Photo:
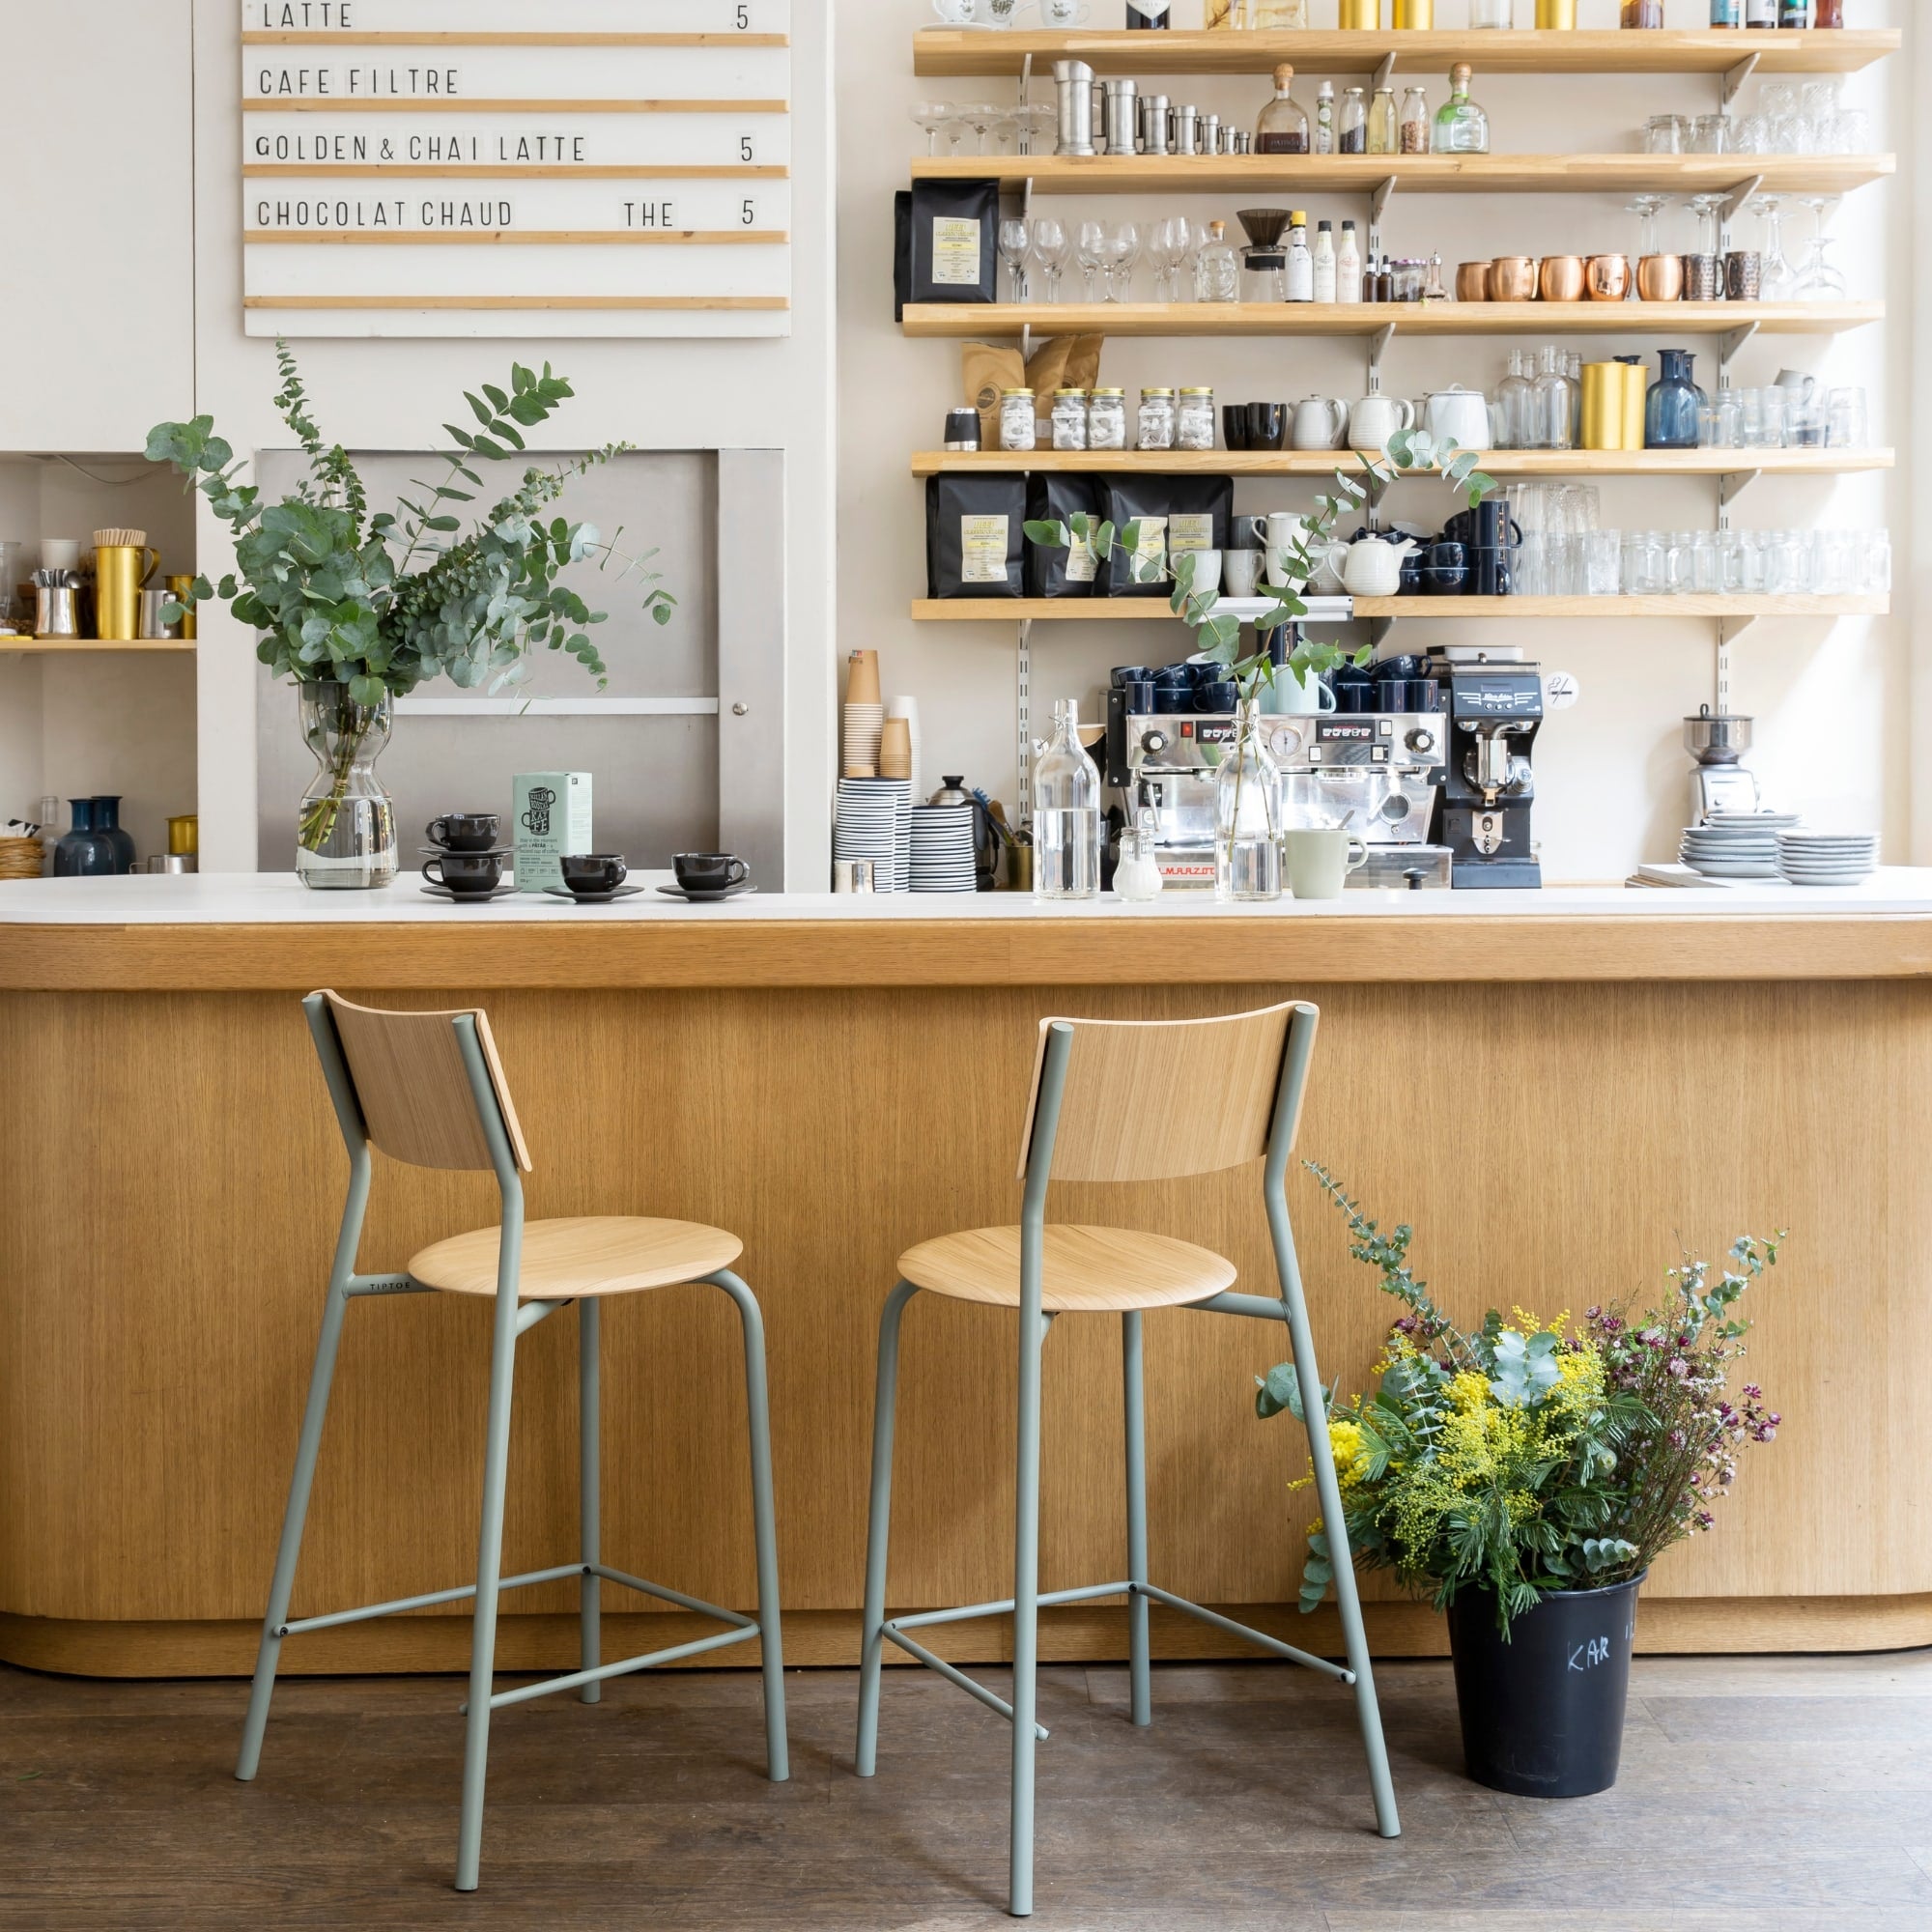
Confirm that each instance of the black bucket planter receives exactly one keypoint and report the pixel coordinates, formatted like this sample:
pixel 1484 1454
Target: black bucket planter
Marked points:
pixel 1542 1714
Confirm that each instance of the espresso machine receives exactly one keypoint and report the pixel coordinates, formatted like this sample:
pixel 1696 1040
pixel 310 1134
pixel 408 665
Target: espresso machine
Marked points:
pixel 1493 711
pixel 1379 774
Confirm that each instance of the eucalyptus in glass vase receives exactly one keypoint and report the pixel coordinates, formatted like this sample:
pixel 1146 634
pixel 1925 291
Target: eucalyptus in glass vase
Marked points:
pixel 357 609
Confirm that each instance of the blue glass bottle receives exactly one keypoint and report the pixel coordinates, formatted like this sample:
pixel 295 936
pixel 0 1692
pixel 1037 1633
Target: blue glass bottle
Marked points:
pixel 1671 409
pixel 108 825
pixel 83 852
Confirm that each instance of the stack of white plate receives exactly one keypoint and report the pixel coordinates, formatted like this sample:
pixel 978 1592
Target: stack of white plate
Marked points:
pixel 941 848
pixel 1735 844
pixel 874 821
pixel 1827 858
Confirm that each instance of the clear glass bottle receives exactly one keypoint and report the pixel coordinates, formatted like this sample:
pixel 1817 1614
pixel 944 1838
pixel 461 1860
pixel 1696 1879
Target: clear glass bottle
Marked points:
pixel 1416 126
pixel 1384 131
pixel 1461 127
pixel 1352 126
pixel 1137 870
pixel 1194 423
pixel 1513 418
pixel 1324 118
pixel 346 832
pixel 1070 420
pixel 1282 127
pixel 1247 815
pixel 1348 267
pixel 1218 274
pixel 1065 813
pixel 1107 419
pixel 1550 403
pixel 1573 374
pixel 1154 428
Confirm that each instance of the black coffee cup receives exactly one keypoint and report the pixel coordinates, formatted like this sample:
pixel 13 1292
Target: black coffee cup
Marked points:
pixel 1355 696
pixel 702 872
pixel 593 871
pixel 1445 579
pixel 1172 699
pixel 1126 674
pixel 466 875
pixel 1405 664
pixel 1217 700
pixel 1447 554
pixel 1489 572
pixel 1235 425
pixel 1488 526
pixel 1249 532
pixel 1175 677
pixel 1268 425
pixel 1138 695
pixel 464 831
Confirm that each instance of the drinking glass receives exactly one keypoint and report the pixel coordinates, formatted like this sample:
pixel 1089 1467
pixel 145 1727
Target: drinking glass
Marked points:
pixel 1709 134
pixel 1718 422
pixel 1647 207
pixel 1680 548
pixel 1015 242
pixel 1787 563
pixel 1706 564
pixel 1050 247
pixel 1122 251
pixel 1751 135
pixel 1779 104
pixel 1850 132
pixel 1817 276
pixel 1837 563
pixel 1663 134
pixel 1875 564
pixel 1007 130
pixel 1602 564
pixel 1733 563
pixel 934 118
pixel 980 115
pixel 1780 280
pixel 1166 244
pixel 1818 110
pixel 1644 553
pixel 1087 247
pixel 1532 572
pixel 1845 420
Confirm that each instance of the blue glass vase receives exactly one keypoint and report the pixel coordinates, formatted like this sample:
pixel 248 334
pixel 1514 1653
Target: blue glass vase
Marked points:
pixel 83 853
pixel 108 825
pixel 1671 409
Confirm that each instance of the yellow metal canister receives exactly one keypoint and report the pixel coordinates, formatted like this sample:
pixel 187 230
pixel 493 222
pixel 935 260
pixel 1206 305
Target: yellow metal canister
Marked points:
pixel 1603 405
pixel 1556 13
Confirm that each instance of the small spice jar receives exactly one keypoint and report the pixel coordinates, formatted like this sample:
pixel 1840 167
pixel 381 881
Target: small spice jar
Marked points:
pixel 1407 274
pixel 1194 423
pixel 1016 419
pixel 1154 429
pixel 1070 420
pixel 1107 419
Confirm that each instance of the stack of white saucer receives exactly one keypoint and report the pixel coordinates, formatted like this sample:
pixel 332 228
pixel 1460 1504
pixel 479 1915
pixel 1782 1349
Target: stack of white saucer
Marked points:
pixel 941 848
pixel 1735 844
pixel 874 821
pixel 1827 858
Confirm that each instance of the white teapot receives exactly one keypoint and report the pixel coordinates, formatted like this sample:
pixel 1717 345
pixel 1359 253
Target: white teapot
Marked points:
pixel 1372 566
pixel 1457 415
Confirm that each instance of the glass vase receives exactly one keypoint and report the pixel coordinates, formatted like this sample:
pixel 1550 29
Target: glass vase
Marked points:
pixel 346 832
pixel 1248 817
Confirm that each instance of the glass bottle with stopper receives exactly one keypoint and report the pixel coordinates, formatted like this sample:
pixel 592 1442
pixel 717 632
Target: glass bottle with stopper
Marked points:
pixel 1065 813
pixel 1461 127
pixel 1217 275
pixel 1283 128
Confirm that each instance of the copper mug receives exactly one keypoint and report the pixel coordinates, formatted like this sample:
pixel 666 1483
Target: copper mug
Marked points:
pixel 1609 278
pixel 1472 281
pixel 1561 279
pixel 1660 278
pixel 1511 278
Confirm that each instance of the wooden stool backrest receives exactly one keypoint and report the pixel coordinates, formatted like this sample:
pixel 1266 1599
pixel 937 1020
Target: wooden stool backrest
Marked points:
pixel 412 1087
pixel 1157 1099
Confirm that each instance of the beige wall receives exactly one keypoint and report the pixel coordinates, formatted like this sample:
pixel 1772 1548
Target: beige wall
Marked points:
pixel 1611 773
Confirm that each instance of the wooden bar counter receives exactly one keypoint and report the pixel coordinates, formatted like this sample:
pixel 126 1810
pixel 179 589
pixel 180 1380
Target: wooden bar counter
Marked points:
pixel 1560 1090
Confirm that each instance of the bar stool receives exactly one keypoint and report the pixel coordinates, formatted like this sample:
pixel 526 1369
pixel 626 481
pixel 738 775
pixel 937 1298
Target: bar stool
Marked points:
pixel 428 1088
pixel 1119 1100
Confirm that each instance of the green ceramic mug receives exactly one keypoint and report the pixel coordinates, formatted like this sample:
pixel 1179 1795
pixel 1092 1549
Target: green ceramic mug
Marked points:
pixel 1320 861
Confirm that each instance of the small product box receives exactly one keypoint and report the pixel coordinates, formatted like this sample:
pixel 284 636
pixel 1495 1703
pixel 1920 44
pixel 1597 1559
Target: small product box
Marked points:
pixel 552 818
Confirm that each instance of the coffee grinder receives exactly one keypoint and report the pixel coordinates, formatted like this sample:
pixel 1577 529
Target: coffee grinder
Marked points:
pixel 1719 781
pixel 1495 708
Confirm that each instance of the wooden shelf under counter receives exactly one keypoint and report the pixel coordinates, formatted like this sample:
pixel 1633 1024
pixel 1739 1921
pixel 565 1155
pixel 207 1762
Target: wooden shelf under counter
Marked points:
pixel 1414 174
pixel 976 320
pixel 945 51
pixel 1323 463
pixel 1453 610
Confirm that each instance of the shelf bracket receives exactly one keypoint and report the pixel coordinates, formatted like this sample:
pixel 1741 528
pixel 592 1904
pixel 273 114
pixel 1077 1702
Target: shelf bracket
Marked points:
pixel 1385 73
pixel 1379 344
pixel 1735 79
pixel 1023 707
pixel 1026 84
pixel 1378 202
pixel 1738 195
pixel 1727 351
pixel 1378 630
pixel 1733 485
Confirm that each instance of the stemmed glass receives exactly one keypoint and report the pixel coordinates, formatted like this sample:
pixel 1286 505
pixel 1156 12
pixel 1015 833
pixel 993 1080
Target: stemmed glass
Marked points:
pixel 934 118
pixel 980 115
pixel 1087 251
pixel 1781 281
pixel 1050 248
pixel 1015 242
pixel 1167 246
pixel 1122 251
pixel 1647 207
pixel 1816 274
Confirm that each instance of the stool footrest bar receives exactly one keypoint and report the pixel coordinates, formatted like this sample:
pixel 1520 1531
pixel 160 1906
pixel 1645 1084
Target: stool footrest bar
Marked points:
pixel 971 1685
pixel 677 1597
pixel 1335 1671
pixel 577 1678
pixel 1261 1307
pixel 399 1604
pixel 1005 1606
pixel 533 1312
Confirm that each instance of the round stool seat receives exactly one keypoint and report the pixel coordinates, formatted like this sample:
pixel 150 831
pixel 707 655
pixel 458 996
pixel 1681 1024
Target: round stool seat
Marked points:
pixel 602 1254
pixel 1098 1269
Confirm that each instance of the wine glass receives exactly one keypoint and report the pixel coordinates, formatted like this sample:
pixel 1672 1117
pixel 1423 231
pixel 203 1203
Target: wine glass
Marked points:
pixel 980 115
pixel 1647 207
pixel 1050 248
pixel 1780 280
pixel 1817 276
pixel 1087 246
pixel 1167 249
pixel 1123 247
pixel 1015 242
pixel 934 118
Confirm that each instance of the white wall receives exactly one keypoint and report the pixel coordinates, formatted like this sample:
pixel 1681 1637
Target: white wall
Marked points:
pixel 1610 773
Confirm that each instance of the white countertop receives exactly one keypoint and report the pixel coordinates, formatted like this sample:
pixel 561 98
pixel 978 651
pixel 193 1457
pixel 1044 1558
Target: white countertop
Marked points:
pixel 276 898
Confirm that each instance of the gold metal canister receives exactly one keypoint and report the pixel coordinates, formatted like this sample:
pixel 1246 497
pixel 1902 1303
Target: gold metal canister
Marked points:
pixel 185 835
pixel 1634 386
pixel 178 589
pixel 119 574
pixel 1559 14
pixel 1360 16
pixel 1603 405
pixel 1417 15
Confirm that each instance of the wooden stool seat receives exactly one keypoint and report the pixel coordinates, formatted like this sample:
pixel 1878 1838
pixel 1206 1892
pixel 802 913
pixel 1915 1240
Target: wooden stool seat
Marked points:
pixel 1104 1270
pixel 566 1260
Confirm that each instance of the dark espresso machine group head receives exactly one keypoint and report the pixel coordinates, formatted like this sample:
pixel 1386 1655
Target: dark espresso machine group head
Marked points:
pixel 1495 707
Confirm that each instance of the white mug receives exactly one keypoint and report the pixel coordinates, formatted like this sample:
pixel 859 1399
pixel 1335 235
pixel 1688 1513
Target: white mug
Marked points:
pixel 1285 531
pixel 1376 419
pixel 1240 572
pixel 1207 571
pixel 1320 422
pixel 1320 861
pixel 1288 698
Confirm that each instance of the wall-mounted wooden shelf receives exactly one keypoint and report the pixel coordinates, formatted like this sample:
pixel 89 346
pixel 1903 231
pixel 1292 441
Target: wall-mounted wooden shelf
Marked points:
pixel 1153 610
pixel 94 646
pixel 1415 174
pixel 1367 318
pixel 1322 463
pixel 942 51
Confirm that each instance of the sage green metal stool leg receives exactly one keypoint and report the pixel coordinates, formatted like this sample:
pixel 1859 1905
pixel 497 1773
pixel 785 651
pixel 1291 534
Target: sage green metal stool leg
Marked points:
pixel 488 1571
pixel 878 1530
pixel 771 1640
pixel 590 1535
pixel 1026 1616
pixel 289 1549
pixel 1133 1402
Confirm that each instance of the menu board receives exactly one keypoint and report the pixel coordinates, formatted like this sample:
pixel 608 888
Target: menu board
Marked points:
pixel 439 167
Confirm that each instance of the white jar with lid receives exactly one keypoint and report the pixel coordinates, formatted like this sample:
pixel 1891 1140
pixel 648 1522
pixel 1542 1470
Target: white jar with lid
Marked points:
pixel 1194 420
pixel 1016 419
pixel 1107 419
pixel 1070 420
pixel 1155 426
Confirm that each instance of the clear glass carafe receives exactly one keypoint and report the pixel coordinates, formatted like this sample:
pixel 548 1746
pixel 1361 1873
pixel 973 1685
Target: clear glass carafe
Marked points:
pixel 346 832
pixel 1248 817
pixel 1550 403
pixel 1511 427
pixel 1065 813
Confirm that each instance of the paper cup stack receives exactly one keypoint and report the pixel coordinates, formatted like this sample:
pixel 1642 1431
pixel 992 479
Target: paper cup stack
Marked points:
pixel 941 848
pixel 874 821
pixel 865 717
pixel 1827 858
pixel 907 709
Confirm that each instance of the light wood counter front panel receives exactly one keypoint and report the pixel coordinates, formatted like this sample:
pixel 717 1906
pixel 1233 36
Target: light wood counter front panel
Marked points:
pixel 169 1203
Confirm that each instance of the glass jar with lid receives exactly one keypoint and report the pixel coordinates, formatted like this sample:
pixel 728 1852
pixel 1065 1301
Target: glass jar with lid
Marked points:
pixel 1408 274
pixel 1417 126
pixel 1070 420
pixel 1154 429
pixel 1018 428
pixel 1194 420
pixel 1107 419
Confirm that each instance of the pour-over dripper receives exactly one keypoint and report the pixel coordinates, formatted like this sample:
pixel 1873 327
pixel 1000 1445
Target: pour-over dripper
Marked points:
pixel 1264 225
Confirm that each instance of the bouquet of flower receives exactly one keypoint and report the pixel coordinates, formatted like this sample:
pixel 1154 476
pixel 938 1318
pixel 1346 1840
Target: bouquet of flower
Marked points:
pixel 1525 1457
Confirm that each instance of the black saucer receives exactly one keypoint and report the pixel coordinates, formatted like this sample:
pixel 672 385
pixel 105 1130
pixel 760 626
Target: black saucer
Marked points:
pixel 483 852
pixel 592 899
pixel 469 898
pixel 707 899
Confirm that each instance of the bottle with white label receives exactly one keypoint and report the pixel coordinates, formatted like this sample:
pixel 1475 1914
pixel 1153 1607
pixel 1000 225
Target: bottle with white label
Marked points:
pixel 1325 262
pixel 1324 118
pixel 1147 12
pixel 1301 263
pixel 1761 13
pixel 1348 267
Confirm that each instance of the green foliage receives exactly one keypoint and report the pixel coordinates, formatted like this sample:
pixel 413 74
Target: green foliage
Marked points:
pixel 387 602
